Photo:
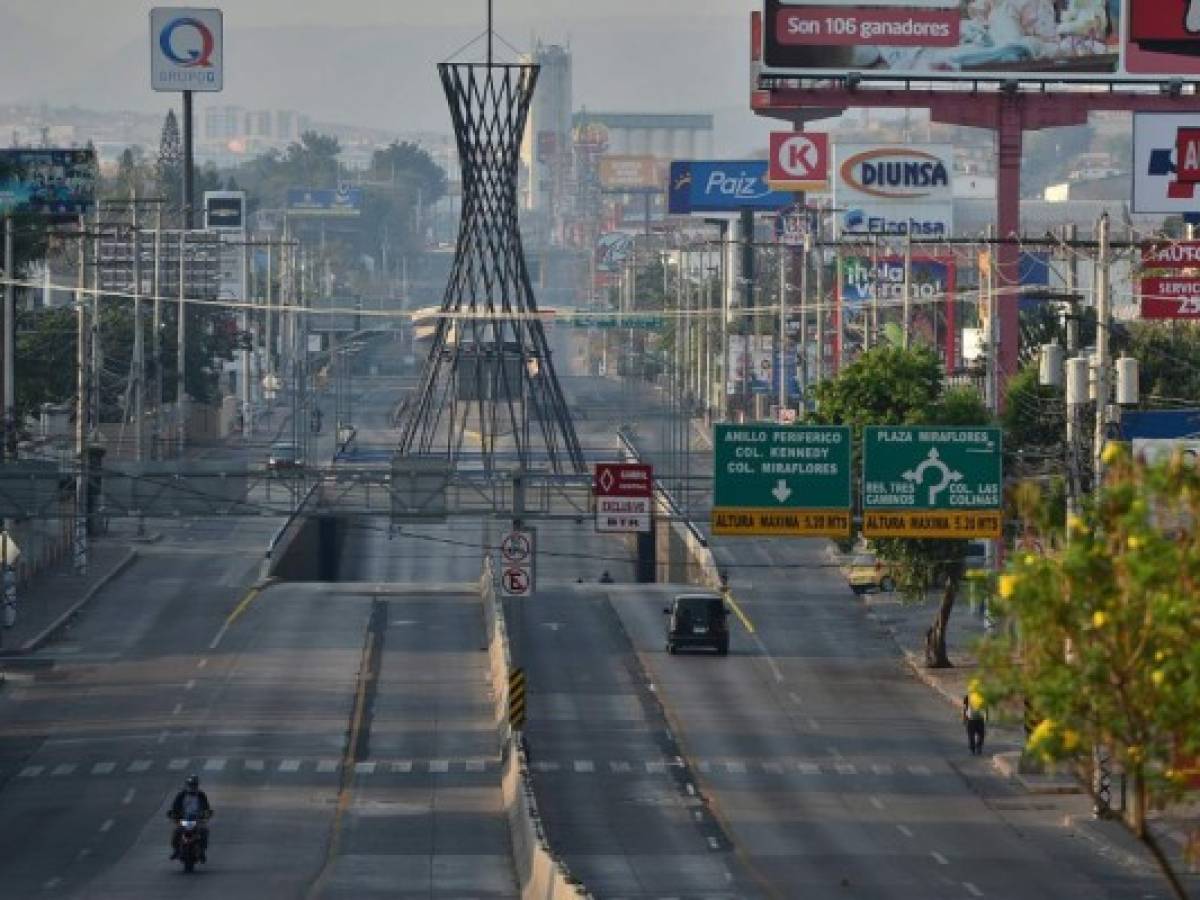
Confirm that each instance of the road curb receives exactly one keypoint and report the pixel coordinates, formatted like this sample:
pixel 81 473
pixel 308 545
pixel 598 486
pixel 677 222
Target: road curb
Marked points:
pixel 44 636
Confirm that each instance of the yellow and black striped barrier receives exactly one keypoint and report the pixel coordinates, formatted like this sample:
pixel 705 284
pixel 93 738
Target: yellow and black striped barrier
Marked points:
pixel 516 699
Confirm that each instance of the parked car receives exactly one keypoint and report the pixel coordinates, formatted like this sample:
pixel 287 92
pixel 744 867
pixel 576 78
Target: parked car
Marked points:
pixel 698 620
pixel 866 572
pixel 283 457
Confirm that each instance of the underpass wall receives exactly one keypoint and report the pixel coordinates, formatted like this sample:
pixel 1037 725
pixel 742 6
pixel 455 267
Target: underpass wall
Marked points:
pixel 307 547
pixel 540 874
pixel 683 557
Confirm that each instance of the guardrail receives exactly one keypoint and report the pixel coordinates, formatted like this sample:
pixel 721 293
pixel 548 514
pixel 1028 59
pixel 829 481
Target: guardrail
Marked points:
pixel 674 508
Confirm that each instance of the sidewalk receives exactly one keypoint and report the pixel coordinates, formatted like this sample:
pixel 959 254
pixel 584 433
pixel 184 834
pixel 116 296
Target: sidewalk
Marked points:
pixel 50 599
pixel 907 623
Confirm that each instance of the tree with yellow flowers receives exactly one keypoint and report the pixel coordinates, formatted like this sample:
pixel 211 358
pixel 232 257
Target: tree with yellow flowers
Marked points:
pixel 1105 636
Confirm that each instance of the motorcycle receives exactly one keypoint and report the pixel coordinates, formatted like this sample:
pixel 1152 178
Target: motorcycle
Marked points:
pixel 189 841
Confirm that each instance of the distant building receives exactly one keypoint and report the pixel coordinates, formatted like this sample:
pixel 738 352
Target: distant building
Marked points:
pixel 661 135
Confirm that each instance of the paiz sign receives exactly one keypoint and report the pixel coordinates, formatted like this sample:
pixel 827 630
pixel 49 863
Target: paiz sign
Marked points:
pixel 894 189
pixel 624 493
pixel 186 49
pixel 722 186
pixel 799 161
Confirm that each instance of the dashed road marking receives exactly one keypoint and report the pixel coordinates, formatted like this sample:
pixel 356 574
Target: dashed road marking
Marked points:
pixel 877 803
pixel 846 769
pixel 655 768
pixel 808 768
pixel 904 830
pixel 881 769
pixel 919 770
pixel 476 765
pixel 52 883
pixel 103 768
pixel 129 795
pixel 814 724
pixel 972 890
pixel 139 765
pixel 403 766
pixel 162 736
pixel 941 860
pixel 290 765
pixel 735 768
pixel 545 765
pixel 439 766
pixel 364 768
pixel 214 765
pixel 64 769
pixel 177 764
pixel 177 710
pixel 253 765
pixel 326 766
pixel 191 684
pixel 202 663
pixel 31 771
pixel 713 843
pixel 795 698
pixel 583 766
pixel 772 768
pixel 619 766
pixel 106 825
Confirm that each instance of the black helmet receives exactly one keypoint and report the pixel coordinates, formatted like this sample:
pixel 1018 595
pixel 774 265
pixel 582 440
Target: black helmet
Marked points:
pixel 192 782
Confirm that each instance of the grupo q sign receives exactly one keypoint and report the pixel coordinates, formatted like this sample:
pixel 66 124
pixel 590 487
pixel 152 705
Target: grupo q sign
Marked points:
pixel 894 189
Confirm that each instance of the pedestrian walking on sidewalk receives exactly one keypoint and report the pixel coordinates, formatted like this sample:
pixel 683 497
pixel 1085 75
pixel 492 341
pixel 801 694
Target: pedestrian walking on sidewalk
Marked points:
pixel 974 715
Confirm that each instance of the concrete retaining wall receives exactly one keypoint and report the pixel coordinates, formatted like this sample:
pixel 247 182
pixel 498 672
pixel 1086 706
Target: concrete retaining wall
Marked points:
pixel 683 558
pixel 540 874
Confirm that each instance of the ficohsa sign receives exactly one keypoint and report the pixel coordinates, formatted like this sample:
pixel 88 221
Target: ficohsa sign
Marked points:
pixel 895 189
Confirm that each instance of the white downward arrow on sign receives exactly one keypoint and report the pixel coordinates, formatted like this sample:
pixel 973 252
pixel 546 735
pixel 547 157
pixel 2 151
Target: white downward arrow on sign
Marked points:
pixel 782 491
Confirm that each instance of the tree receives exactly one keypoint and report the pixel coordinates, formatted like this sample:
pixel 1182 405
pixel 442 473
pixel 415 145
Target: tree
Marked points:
pixel 891 386
pixel 1106 642
pixel 169 167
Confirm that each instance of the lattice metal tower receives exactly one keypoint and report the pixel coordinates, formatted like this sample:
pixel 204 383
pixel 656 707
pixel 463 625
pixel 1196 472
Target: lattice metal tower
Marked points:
pixel 489 374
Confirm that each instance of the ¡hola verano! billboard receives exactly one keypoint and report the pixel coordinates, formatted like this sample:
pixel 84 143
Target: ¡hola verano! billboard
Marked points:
pixel 1000 39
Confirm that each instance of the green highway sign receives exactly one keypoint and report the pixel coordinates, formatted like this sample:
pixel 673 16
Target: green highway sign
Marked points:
pixel 781 480
pixel 932 482
pixel 617 320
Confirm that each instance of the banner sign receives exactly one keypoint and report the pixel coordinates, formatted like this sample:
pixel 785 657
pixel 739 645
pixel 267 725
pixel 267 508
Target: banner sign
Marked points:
pixel 1001 39
pixel 186 49
pixel 799 161
pixel 863 283
pixel 722 187
pixel 225 210
pixel 51 182
pixel 1171 255
pixel 630 173
pixel 613 250
pixel 1170 298
pixel 1159 187
pixel 345 201
pixel 894 189
pixel 623 494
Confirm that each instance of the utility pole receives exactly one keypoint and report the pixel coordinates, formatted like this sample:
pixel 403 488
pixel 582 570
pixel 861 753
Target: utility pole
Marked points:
pixel 908 291
pixel 1072 351
pixel 181 350
pixel 820 278
pixel 81 406
pixel 247 411
pixel 1103 375
pixel 139 341
pixel 783 260
pixel 10 343
pixel 156 338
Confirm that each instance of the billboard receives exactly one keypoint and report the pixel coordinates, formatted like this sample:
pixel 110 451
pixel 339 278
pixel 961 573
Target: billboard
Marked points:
pixel 722 186
pixel 187 50
pixel 869 289
pixel 225 210
pixel 894 189
pixel 798 161
pixel 1157 187
pixel 324 202
pixel 51 182
pixel 613 250
pixel 1003 39
pixel 1164 37
pixel 630 173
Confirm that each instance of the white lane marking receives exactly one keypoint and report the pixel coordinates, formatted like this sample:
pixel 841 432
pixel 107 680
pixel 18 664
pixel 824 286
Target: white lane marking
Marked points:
pixel 84 853
pixel 290 765
pixel 907 832
pixel 216 642
pixel 619 766
pixel 655 768
pixel 128 798
pixel 735 768
pixel 331 765
pixel 697 815
pixel 253 765
pixel 814 724
pixel 31 771
pixel 177 710
pixel 202 663
pixel 139 765
pixel 476 765
pixel 772 768
pixel 191 684
pixel 796 698
pixel 103 768
pixel 972 890
pixel 177 765
pixel 877 803
pixel 364 768
pixel 162 736
pixel 920 770
pixel 52 883
pixel 808 768
pixel 404 766
pixel 714 844
pixel 106 825
pixel 64 769
pixel 881 769
pixel 584 765
pixel 942 861
pixel 438 766
pixel 545 765
pixel 845 769
pixel 214 765
pixel 834 752
pixel 691 789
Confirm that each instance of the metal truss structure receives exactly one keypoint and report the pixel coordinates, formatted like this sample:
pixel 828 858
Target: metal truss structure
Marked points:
pixel 489 376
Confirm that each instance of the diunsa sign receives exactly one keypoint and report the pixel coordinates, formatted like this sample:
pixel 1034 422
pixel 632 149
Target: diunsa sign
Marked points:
pixel 894 189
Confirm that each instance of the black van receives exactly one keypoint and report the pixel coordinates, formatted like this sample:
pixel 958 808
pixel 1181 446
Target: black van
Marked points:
pixel 698 620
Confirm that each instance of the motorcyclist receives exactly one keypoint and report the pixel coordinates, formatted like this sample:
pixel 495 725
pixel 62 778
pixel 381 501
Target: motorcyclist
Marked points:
pixel 606 578
pixel 190 803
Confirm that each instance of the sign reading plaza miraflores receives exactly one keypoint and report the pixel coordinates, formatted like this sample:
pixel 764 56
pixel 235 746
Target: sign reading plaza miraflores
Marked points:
pixel 932 482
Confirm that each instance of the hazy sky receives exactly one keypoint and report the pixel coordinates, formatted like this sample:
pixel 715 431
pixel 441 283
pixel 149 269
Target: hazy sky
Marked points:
pixel 372 61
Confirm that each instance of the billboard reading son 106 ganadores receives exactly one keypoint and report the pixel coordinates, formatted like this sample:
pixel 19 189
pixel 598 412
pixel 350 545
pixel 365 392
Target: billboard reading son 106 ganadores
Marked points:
pixel 1083 40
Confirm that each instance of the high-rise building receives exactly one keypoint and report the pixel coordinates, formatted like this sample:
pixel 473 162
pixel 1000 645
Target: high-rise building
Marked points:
pixel 546 148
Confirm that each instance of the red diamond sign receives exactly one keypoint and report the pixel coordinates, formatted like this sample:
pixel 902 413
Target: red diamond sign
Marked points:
pixel 624 492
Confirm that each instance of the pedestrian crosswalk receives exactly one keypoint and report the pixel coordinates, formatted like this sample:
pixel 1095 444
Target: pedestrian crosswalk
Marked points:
pixel 221 766
pixel 732 767
pixel 229 766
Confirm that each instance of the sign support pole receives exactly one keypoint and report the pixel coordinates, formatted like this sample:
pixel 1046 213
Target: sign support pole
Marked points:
pixel 189 163
pixel 10 333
